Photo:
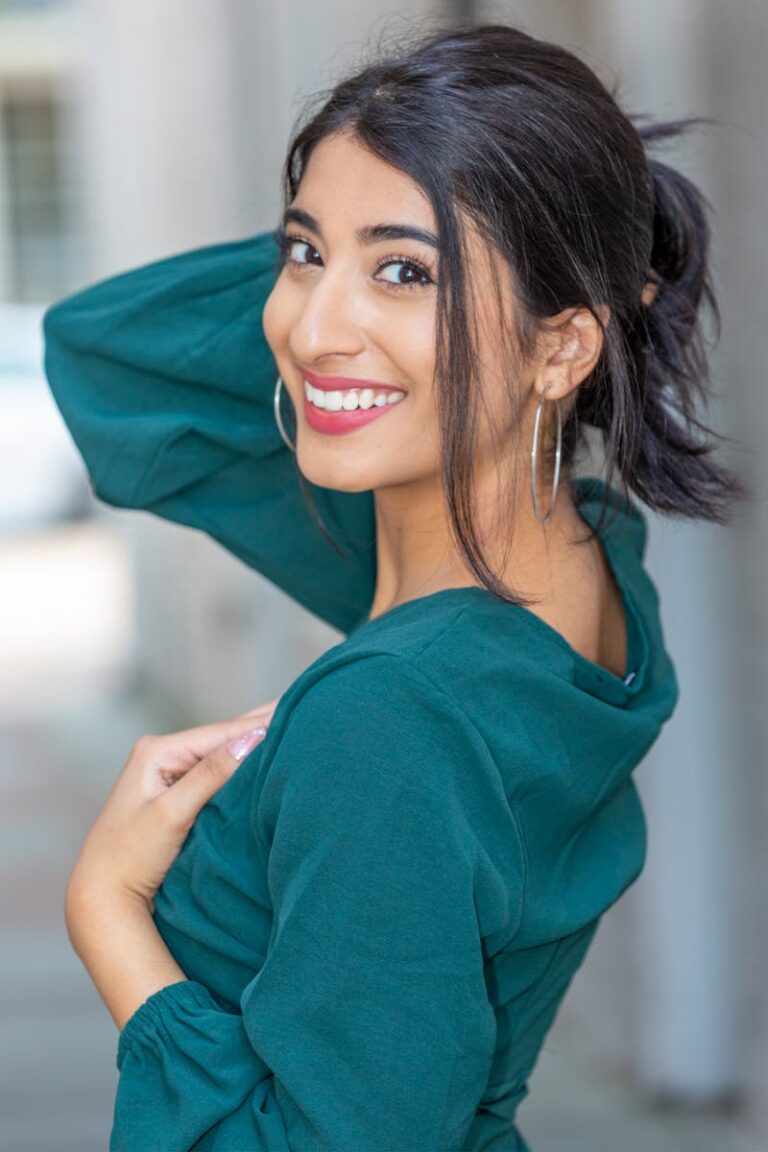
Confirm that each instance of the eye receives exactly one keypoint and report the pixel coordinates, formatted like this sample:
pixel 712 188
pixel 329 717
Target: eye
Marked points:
pixel 417 275
pixel 411 273
pixel 291 244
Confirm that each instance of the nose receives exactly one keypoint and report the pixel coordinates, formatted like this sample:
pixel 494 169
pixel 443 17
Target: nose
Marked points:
pixel 329 322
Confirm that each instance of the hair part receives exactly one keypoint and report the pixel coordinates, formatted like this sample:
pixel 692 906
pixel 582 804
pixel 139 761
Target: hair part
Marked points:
pixel 520 137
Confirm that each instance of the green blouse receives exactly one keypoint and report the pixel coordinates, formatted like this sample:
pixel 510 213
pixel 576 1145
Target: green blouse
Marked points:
pixel 379 914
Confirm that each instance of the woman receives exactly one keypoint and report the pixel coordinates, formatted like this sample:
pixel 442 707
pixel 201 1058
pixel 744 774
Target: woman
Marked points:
pixel 355 933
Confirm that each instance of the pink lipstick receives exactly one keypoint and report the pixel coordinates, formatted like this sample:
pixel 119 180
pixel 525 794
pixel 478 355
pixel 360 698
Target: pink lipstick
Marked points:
pixel 374 400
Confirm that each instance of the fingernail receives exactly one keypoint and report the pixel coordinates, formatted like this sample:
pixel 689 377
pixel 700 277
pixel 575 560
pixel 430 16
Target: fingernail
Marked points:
pixel 244 744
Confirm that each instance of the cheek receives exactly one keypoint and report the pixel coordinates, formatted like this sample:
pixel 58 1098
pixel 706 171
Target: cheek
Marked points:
pixel 277 318
pixel 411 338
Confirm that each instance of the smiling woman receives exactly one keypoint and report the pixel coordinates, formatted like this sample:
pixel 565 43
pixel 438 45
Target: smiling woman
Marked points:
pixel 367 933
pixel 344 298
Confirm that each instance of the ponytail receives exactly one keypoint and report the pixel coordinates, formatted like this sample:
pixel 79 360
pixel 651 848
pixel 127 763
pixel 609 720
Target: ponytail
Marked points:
pixel 667 464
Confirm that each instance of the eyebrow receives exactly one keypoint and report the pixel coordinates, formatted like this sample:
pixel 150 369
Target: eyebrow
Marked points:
pixel 371 234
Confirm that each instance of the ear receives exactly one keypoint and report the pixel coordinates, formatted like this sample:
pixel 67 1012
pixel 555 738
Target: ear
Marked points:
pixel 574 342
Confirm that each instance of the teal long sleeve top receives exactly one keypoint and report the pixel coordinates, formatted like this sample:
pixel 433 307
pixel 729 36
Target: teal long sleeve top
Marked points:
pixel 381 911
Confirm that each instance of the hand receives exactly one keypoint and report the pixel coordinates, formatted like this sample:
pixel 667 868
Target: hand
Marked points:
pixel 152 806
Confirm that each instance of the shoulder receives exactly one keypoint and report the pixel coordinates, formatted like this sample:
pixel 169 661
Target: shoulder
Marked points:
pixel 367 727
pixel 625 520
pixel 363 697
pixel 377 747
pixel 637 529
pixel 632 523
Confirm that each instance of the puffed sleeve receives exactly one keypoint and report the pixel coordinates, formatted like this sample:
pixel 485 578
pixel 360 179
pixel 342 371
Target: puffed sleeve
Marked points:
pixel 368 1028
pixel 165 381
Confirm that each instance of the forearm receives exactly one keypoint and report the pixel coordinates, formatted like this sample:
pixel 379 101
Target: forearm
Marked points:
pixel 122 950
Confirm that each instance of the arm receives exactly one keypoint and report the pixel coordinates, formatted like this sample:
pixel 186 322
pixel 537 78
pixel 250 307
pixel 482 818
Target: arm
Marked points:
pixel 138 834
pixel 368 1026
pixel 165 381
pixel 125 955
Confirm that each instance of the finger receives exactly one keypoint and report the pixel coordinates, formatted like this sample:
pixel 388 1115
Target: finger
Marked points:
pixel 186 747
pixel 189 794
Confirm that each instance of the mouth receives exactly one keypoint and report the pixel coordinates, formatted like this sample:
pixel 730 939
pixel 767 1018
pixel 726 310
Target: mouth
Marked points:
pixel 343 409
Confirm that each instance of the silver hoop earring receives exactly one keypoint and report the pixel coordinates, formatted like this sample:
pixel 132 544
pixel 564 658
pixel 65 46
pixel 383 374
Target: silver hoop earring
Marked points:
pixel 278 417
pixel 534 456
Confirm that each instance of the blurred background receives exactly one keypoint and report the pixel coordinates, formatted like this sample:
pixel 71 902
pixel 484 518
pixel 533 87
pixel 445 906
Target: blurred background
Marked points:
pixel 133 129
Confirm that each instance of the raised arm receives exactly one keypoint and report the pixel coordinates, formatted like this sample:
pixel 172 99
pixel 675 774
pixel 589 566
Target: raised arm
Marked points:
pixel 165 381
pixel 369 1025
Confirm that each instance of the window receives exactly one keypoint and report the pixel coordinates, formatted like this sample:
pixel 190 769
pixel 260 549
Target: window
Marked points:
pixel 38 233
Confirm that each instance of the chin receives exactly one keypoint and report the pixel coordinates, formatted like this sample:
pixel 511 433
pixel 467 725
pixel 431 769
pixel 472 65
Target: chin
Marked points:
pixel 342 476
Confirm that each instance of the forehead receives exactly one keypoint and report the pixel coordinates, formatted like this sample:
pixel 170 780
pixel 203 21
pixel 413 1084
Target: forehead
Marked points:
pixel 345 181
pixel 346 186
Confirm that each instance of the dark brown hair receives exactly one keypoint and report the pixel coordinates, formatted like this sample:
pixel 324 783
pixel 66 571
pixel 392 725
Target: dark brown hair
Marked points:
pixel 522 137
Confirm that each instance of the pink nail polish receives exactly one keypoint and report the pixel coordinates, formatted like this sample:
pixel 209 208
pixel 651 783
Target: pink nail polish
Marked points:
pixel 244 744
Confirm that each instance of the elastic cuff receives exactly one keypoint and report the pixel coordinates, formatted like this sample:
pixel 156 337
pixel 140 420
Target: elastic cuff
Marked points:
pixel 184 993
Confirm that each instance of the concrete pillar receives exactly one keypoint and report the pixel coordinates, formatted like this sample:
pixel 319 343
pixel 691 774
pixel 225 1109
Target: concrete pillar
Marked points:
pixel 689 1020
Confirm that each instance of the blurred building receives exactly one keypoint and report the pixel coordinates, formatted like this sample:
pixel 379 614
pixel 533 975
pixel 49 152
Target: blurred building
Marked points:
pixel 132 129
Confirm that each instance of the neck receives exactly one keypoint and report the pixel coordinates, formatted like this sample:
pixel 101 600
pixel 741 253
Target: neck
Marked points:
pixel 417 556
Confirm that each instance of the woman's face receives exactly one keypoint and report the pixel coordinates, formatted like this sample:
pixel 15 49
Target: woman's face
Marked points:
pixel 362 307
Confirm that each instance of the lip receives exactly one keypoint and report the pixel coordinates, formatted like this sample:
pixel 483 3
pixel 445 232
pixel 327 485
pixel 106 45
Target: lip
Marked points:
pixel 341 422
pixel 341 383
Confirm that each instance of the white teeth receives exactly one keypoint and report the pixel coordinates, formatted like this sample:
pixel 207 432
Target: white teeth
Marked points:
pixel 314 395
pixel 350 399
